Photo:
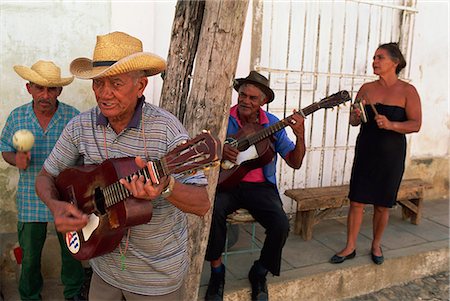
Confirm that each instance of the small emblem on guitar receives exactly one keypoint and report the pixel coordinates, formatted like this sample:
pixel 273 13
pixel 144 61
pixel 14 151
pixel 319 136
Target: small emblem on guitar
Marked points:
pixel 73 242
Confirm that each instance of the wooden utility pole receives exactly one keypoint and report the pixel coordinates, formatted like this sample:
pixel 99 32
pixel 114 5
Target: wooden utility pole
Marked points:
pixel 208 102
pixel 180 61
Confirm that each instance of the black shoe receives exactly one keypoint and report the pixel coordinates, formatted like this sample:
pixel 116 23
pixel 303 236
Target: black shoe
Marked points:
pixel 215 286
pixel 378 259
pixel 340 259
pixel 259 285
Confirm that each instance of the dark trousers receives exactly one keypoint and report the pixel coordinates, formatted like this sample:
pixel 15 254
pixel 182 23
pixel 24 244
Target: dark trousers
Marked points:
pixel 31 239
pixel 264 204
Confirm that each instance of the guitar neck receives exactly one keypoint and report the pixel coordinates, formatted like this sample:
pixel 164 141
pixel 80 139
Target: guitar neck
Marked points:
pixel 269 131
pixel 116 192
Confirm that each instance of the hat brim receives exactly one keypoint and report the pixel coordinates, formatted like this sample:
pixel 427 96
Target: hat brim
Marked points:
pixel 148 62
pixel 34 77
pixel 266 90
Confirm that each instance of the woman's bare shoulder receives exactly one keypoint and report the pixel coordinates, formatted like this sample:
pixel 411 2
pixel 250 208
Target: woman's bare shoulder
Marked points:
pixel 407 87
pixel 367 87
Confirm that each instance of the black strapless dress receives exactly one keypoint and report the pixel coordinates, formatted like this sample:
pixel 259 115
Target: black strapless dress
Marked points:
pixel 379 160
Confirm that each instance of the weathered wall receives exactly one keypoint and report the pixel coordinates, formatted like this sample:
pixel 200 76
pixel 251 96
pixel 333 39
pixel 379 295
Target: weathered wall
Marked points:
pixel 428 150
pixel 49 31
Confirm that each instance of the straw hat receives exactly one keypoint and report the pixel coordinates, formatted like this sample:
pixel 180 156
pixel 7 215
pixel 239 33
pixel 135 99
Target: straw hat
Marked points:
pixel 43 73
pixel 258 80
pixel 117 53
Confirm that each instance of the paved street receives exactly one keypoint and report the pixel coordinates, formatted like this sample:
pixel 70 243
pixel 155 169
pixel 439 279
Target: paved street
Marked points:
pixel 435 287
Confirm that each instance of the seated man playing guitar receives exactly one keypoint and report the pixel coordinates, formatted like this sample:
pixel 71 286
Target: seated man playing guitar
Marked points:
pixel 150 262
pixel 256 191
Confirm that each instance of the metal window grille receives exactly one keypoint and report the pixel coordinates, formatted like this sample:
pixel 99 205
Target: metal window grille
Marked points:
pixel 312 49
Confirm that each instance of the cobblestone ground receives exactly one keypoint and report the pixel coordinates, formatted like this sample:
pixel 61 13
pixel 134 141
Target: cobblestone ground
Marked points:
pixel 435 287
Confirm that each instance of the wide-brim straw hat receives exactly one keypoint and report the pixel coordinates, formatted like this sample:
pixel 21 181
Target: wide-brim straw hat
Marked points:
pixel 43 73
pixel 117 53
pixel 258 80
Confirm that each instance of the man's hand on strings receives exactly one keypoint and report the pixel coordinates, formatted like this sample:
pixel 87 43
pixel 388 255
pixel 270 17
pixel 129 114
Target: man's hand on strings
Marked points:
pixel 297 123
pixel 229 153
pixel 142 188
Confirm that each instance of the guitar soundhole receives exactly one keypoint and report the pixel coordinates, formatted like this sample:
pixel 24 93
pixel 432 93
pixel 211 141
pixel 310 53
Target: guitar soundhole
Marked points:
pixel 244 144
pixel 99 201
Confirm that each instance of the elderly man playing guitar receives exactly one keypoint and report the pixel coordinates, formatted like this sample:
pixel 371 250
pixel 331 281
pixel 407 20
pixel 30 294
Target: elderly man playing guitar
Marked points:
pixel 255 190
pixel 150 261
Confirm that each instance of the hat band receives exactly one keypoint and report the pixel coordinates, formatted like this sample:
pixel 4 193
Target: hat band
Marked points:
pixel 103 63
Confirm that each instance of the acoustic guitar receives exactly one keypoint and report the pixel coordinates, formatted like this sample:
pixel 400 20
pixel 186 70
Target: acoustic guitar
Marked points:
pixel 255 146
pixel 96 190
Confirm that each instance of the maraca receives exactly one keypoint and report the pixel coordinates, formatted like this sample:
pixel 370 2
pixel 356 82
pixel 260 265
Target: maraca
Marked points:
pixel 23 140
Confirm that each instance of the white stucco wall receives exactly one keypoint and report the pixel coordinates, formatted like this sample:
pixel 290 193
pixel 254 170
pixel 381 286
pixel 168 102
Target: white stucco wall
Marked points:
pixel 430 75
pixel 57 31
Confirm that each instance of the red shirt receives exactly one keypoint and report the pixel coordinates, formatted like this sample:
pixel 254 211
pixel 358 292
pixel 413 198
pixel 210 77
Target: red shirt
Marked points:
pixel 255 175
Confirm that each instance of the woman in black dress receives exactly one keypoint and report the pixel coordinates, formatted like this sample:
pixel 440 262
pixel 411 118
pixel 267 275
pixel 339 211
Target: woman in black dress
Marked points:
pixel 393 110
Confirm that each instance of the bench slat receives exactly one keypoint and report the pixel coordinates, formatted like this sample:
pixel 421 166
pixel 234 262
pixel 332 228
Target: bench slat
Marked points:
pixel 311 200
pixel 336 196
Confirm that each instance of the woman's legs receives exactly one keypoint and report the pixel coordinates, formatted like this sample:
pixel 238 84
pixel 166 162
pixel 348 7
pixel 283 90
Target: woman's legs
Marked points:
pixel 354 220
pixel 380 221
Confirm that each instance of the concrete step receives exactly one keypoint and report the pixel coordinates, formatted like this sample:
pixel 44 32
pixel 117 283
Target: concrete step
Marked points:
pixel 352 278
pixel 410 251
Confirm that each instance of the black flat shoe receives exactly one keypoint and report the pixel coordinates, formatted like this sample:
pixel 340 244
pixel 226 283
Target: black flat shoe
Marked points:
pixel 340 259
pixel 378 259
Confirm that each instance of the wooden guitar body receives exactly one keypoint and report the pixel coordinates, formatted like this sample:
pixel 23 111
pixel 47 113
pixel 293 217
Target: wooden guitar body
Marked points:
pixel 255 142
pixel 229 178
pixel 96 191
pixel 81 186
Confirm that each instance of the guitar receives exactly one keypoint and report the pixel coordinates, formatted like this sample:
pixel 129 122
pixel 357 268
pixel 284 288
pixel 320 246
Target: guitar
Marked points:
pixel 96 190
pixel 255 146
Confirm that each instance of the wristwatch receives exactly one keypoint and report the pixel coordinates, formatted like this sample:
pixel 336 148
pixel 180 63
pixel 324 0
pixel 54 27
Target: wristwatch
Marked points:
pixel 169 188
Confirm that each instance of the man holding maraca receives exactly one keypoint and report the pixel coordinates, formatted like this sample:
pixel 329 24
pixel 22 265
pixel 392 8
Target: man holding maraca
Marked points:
pixel 27 138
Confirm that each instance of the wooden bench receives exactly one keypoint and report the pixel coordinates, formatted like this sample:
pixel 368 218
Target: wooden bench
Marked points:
pixel 314 204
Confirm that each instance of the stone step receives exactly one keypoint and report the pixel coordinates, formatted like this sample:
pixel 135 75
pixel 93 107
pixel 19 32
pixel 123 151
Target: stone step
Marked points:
pixel 353 278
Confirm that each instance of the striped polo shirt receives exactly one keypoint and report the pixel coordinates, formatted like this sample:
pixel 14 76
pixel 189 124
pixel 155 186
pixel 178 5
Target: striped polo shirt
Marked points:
pixel 156 258
pixel 30 208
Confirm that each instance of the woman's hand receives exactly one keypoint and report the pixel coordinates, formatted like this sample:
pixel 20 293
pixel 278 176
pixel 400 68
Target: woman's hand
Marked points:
pixel 355 113
pixel 383 122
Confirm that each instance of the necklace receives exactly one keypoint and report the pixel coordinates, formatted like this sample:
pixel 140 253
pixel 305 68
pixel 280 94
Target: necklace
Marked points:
pixel 123 253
